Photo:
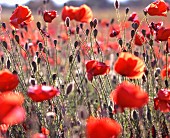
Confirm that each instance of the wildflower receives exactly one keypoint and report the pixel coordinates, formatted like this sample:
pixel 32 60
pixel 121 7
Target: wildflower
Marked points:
pixel 139 39
pixel 134 18
pixel 80 14
pixel 94 68
pixel 102 128
pixel 162 34
pixel 39 93
pixel 21 15
pixel 114 33
pixel 162 101
pixel 49 15
pixel 129 65
pixel 128 95
pixel 157 8
pixel 8 81
pixel 11 108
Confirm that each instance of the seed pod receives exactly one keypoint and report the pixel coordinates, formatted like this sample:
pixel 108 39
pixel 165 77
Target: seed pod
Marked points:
pixel 95 23
pixel 91 24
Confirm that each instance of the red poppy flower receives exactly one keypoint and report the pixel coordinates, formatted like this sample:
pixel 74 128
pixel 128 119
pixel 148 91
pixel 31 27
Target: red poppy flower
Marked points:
pixel 39 93
pixel 22 14
pixel 134 18
pixel 45 131
pixel 81 14
pixel 49 15
pixel 139 39
pixel 162 34
pixel 157 8
pixel 102 128
pixel 163 72
pixel 11 108
pixel 8 81
pixel 84 14
pixel 114 33
pixel 128 95
pixel 129 65
pixel 162 101
pixel 94 68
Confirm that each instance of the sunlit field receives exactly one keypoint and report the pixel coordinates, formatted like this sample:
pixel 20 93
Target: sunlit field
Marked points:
pixel 81 72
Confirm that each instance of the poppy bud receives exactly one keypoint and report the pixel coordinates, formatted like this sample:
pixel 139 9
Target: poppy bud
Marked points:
pixel 91 24
pixel 34 66
pixel 95 33
pixel 120 41
pixel 127 10
pixel 132 33
pixel 4 25
pixel 135 25
pixel 70 58
pixel 95 22
pixel 40 46
pixel 76 44
pixel 39 25
pixel 78 56
pixel 135 115
pixel 2 59
pixel 151 42
pixel 38 60
pixel 166 83
pixel 77 30
pixel 55 42
pixel 32 81
pixel 112 21
pixel 116 4
pixel 154 134
pixel 136 53
pixel 4 44
pixel 81 26
pixel 144 32
pixel 54 76
pixel 149 117
pixel 17 38
pixel 67 21
pixel 145 12
pixel 8 64
pixel 70 88
pixel 87 32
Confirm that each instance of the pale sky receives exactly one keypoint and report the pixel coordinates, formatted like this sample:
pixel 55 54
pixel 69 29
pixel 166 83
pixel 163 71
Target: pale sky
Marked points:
pixel 58 2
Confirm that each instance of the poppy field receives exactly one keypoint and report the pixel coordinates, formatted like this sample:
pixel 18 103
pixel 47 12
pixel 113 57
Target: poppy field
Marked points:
pixel 69 74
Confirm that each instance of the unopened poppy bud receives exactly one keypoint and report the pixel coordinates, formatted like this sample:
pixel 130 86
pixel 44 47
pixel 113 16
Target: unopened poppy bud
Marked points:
pixel 136 53
pixel 76 44
pixel 70 88
pixel 2 59
pixel 166 83
pixel 132 33
pixel 81 26
pixel 87 32
pixel 4 25
pixel 135 115
pixel 34 66
pixel 44 83
pixel 149 115
pixel 154 133
pixel 116 4
pixel 151 42
pixel 91 24
pixel 145 12
pixel 40 46
pixel 78 56
pixel 4 44
pixel 8 64
pixel 39 25
pixel 17 38
pixel 54 76
pixel 167 48
pixel 67 21
pixel 13 32
pixel 112 21
pixel 32 81
pixel 15 72
pixel 38 60
pixel 55 42
pixel 77 30
pixel 127 10
pixel 135 25
pixel 37 53
pixel 95 23
pixel 70 58
pixel 144 32
pixel 120 41
pixel 95 32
